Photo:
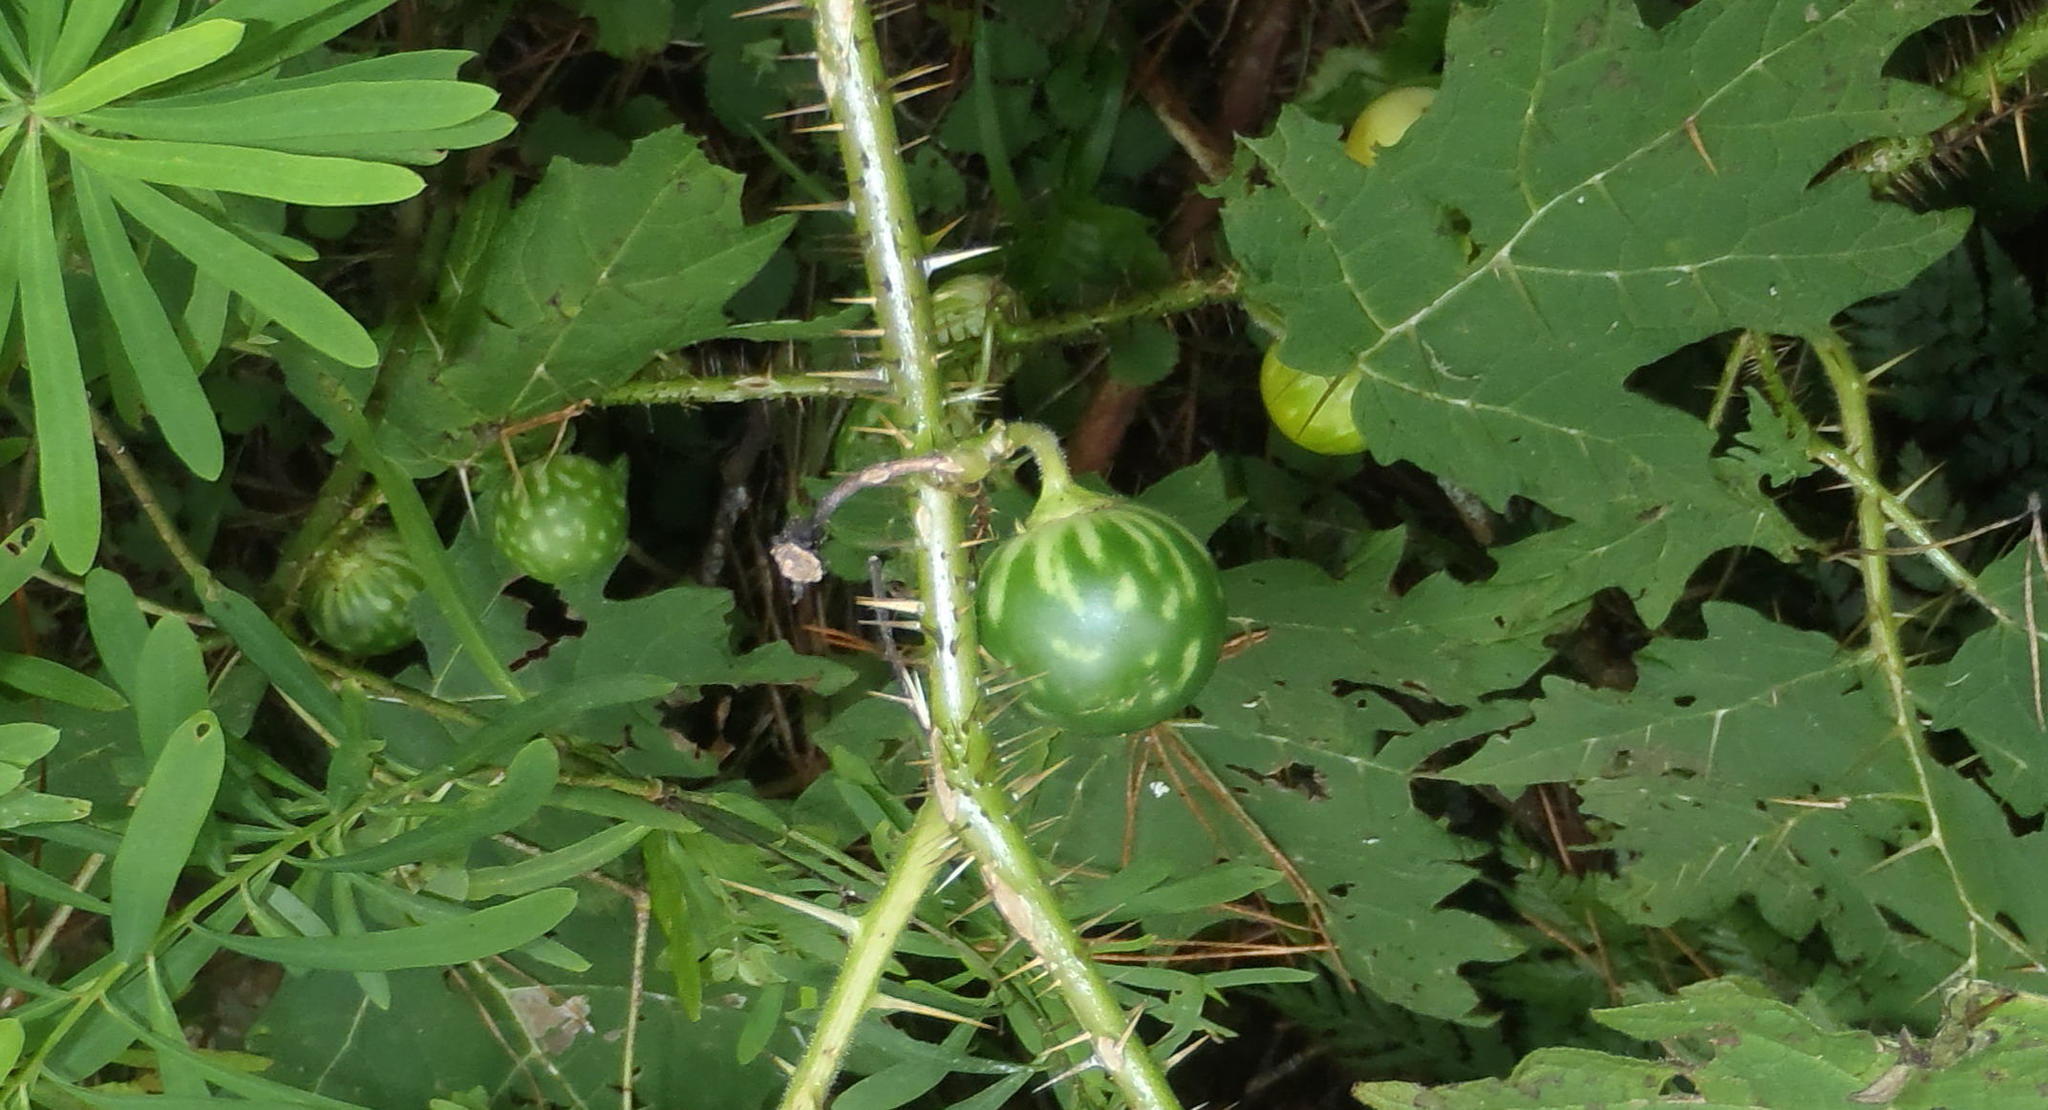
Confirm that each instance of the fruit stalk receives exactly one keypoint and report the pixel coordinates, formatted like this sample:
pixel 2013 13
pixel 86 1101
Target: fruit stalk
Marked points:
pixel 966 780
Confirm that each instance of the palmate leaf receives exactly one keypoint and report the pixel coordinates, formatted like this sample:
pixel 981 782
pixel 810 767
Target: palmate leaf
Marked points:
pixel 1297 753
pixel 596 270
pixel 1586 196
pixel 1760 763
pixel 1991 688
pixel 1744 1050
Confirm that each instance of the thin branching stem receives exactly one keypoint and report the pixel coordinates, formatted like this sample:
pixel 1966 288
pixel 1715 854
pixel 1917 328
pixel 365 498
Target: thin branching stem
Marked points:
pixel 152 508
pixel 966 778
pixel 874 940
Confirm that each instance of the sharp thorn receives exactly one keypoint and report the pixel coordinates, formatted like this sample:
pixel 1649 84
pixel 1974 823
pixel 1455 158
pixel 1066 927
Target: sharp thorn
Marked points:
pixel 806 110
pixel 1031 782
pixel 860 333
pixel 933 263
pixel 905 148
pixel 1086 1065
pixel 1880 371
pixel 821 128
pixel 908 94
pixel 820 206
pixel 773 7
pixel 868 301
pixel 892 604
pixel 914 74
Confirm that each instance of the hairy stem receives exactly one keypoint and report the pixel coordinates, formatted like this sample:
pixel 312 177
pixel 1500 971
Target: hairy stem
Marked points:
pixel 966 785
pixel 925 850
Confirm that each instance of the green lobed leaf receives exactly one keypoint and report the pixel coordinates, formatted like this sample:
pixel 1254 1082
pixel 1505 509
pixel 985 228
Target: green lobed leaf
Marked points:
pixel 1992 685
pixel 1760 762
pixel 471 936
pixel 1528 212
pixel 174 805
pixel 142 65
pixel 598 268
pixel 553 708
pixel 1745 1050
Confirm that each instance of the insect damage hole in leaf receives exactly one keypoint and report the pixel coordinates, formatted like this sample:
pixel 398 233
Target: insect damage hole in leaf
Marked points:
pixel 1302 778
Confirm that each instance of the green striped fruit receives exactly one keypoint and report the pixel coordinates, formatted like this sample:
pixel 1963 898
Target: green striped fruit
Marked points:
pixel 561 519
pixel 1111 612
pixel 356 598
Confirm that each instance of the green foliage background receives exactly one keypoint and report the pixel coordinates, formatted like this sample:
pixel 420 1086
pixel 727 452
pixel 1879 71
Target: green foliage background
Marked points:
pixel 1626 728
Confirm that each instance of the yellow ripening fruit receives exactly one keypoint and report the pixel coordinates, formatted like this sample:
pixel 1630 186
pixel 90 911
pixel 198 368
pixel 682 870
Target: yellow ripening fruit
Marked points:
pixel 1308 411
pixel 1303 406
pixel 1384 121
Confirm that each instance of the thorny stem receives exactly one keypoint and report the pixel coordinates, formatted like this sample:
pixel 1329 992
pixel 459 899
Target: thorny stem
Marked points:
pixel 1863 478
pixel 1151 305
pixel 1852 400
pixel 873 943
pixel 966 785
pixel 728 390
pixel 1982 80
pixel 1980 84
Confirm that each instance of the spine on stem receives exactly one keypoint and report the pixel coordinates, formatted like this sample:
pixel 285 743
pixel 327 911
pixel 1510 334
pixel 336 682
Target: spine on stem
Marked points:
pixel 965 784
